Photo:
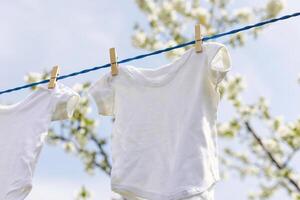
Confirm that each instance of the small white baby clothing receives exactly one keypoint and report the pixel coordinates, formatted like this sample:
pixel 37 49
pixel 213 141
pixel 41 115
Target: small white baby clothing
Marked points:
pixel 164 138
pixel 23 127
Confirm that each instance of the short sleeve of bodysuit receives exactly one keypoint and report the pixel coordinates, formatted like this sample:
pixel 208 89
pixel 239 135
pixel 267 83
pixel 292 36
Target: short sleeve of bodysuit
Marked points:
pixel 65 102
pixel 103 94
pixel 219 63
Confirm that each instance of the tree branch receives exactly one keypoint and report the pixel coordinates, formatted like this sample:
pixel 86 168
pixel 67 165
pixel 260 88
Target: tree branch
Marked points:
pixel 79 149
pixel 270 155
pixel 102 152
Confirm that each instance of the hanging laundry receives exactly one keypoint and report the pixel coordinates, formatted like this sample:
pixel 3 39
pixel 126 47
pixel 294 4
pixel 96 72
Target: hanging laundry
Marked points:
pixel 164 137
pixel 23 128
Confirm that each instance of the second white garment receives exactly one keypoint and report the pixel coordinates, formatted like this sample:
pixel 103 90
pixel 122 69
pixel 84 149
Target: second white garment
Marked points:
pixel 164 138
pixel 23 128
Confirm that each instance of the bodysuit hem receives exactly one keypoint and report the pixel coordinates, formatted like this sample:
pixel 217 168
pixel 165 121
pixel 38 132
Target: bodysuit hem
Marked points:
pixel 188 192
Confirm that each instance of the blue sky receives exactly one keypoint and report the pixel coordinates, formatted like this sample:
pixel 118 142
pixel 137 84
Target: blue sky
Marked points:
pixel 36 35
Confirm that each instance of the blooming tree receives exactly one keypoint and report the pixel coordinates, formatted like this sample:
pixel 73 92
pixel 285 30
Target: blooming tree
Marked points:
pixel 265 155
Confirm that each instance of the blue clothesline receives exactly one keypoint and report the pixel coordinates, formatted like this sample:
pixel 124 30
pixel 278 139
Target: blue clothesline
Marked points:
pixel 155 52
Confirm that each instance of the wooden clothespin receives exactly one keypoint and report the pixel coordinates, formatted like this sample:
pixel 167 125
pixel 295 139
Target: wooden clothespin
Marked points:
pixel 198 39
pixel 53 77
pixel 113 61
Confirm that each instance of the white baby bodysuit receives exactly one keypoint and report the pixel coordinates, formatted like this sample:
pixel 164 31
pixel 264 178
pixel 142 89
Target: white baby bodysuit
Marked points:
pixel 164 138
pixel 23 127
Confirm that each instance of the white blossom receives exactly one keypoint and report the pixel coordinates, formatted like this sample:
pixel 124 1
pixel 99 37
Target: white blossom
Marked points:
pixel 147 5
pixel 167 6
pixel 69 147
pixel 274 7
pixel 244 15
pixel 158 44
pixel 295 196
pixel 182 6
pixel 139 38
pixel 223 13
pixel 276 123
pixel 33 77
pixel 224 127
pixel 201 14
pixel 152 17
pixel 246 111
pixel 270 144
pixel 151 5
pixel 283 131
